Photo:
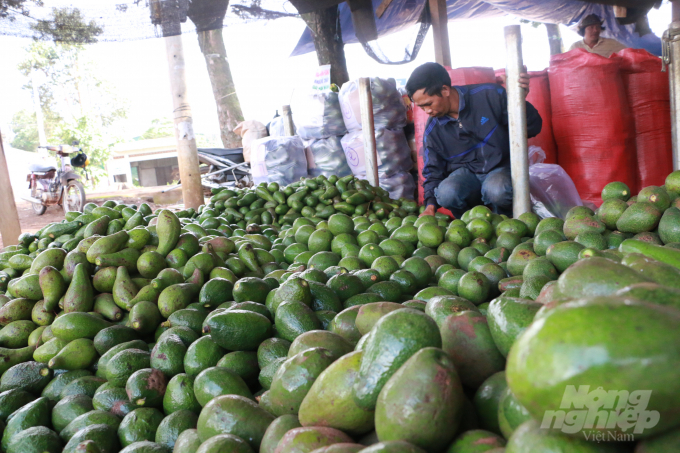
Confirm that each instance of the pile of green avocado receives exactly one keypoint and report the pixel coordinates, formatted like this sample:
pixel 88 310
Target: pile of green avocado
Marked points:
pixel 324 317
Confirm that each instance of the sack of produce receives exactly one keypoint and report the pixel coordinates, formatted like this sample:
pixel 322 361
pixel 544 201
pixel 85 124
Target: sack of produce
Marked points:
pixel 326 157
pixel 592 124
pixel 276 128
pixel 389 111
pixel 278 159
pixel 317 115
pixel 394 154
pixel 399 185
pixel 649 100
pixel 249 131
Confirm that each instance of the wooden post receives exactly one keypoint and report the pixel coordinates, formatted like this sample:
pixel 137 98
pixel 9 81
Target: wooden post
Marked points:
pixel 676 10
pixel 10 229
pixel 440 32
pixel 187 153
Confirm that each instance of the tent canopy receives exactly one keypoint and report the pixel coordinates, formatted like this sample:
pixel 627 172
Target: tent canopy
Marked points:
pixel 402 14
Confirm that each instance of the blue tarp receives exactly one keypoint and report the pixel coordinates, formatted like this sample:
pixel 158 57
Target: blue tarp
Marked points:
pixel 403 14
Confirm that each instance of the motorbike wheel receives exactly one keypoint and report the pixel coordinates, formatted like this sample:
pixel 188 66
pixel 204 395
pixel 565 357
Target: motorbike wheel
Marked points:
pixel 39 209
pixel 74 196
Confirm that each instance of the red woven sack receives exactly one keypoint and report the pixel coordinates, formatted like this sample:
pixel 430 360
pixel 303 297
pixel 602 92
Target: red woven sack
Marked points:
pixel 649 101
pixel 591 121
pixel 460 76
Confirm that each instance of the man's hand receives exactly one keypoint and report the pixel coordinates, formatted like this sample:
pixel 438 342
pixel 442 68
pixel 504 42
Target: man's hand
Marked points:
pixel 523 80
pixel 428 211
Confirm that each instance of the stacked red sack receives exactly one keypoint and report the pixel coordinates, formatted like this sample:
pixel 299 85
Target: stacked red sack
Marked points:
pixel 591 121
pixel 649 100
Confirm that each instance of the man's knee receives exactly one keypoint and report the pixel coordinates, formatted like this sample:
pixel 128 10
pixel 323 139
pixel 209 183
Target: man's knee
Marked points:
pixel 454 191
pixel 497 189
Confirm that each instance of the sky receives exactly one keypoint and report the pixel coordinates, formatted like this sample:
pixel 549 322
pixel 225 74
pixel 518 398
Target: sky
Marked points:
pixel 264 74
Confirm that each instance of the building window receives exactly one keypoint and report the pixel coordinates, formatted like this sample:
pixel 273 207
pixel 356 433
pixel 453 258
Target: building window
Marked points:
pixel 120 178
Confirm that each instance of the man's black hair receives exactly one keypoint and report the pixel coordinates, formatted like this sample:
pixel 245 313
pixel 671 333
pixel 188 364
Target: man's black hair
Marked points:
pixel 430 76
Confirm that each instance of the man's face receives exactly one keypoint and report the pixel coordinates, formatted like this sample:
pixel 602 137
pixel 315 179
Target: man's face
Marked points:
pixel 593 32
pixel 434 105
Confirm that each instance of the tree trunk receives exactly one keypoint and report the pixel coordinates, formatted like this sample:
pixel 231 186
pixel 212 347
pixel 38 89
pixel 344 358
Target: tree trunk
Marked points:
pixel 554 38
pixel 330 49
pixel 228 106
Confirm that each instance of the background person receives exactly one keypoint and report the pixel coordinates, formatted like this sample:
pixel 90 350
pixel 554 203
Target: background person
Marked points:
pixel 591 28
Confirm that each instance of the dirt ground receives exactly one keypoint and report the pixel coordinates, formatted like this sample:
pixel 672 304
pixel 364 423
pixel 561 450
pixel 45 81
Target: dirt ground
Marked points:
pixel 30 222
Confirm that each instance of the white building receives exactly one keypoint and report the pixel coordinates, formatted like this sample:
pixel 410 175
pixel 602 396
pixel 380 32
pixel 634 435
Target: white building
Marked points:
pixel 144 162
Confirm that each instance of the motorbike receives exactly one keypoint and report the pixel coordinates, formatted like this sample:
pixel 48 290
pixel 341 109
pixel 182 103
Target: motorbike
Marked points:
pixel 50 185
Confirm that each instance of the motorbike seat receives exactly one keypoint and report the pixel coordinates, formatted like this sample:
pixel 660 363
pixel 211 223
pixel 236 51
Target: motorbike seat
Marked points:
pixel 41 168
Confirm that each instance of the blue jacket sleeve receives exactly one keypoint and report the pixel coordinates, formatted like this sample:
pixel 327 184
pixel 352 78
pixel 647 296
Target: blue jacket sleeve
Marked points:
pixel 434 168
pixel 534 121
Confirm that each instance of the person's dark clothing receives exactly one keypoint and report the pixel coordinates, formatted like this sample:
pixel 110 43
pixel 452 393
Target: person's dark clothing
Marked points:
pixel 477 141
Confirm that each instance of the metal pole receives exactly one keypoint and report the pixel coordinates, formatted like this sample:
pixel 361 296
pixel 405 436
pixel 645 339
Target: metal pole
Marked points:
pixel 288 126
pixel 367 125
pixel 187 153
pixel 517 122
pixel 674 83
pixel 10 228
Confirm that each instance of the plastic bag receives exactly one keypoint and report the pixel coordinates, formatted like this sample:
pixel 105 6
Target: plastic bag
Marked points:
pixel 317 115
pixel 536 155
pixel 326 157
pixel 278 159
pixel 399 185
pixel 394 154
pixel 249 131
pixel 389 111
pixel 551 186
pixel 276 128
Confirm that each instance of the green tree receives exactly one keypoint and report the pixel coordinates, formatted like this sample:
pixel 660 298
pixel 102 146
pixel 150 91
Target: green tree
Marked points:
pixel 160 127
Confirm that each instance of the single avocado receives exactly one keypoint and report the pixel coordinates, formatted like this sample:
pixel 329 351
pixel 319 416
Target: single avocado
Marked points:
pixel 276 430
pixel 634 332
pixel 122 365
pixel 294 318
pixel 529 436
pixel 236 415
pixel 563 254
pixel 173 425
pixel 216 381
pixel 103 436
pixel 486 401
pixel 139 425
pixel 12 400
pixel 396 336
pixel 179 395
pixel 310 438
pixel 146 387
pixel 295 377
pixel 427 381
pixel 188 440
pixel 639 217
pixel 467 339
pixel 203 353
pixel 335 384
pixel 93 417
pixel 508 317
pixel 85 385
pixel 30 376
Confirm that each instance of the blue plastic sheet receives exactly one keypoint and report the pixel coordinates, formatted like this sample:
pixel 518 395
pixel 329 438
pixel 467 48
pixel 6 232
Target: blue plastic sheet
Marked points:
pixel 403 14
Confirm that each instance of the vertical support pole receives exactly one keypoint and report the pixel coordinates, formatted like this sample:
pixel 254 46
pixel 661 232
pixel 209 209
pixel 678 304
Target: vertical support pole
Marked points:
pixel 440 32
pixel 10 228
pixel 42 139
pixel 517 123
pixel 187 153
pixel 288 126
pixel 674 82
pixel 368 127
pixel 676 10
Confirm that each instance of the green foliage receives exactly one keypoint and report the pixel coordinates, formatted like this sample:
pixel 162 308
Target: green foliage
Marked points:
pixel 15 6
pixel 66 25
pixel 93 141
pixel 160 127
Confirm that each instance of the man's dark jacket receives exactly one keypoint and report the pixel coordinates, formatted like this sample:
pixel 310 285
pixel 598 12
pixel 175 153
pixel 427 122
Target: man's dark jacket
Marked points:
pixel 478 140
